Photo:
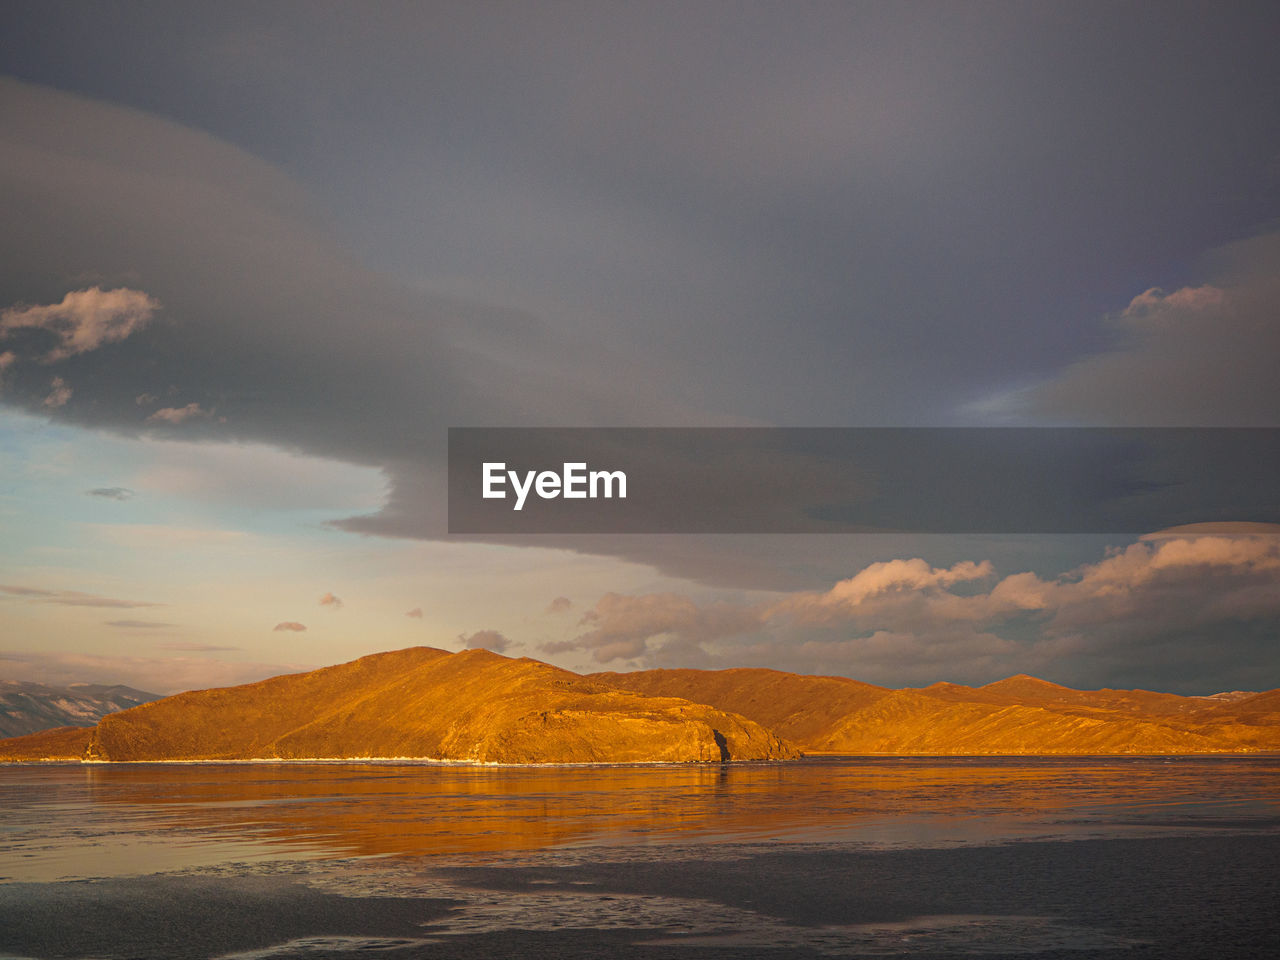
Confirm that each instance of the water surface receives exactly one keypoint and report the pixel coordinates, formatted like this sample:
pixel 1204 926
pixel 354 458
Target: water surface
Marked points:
pixel 822 857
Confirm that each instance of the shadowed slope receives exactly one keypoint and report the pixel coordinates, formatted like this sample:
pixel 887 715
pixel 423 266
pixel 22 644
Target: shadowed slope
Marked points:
pixel 1019 715
pixel 429 703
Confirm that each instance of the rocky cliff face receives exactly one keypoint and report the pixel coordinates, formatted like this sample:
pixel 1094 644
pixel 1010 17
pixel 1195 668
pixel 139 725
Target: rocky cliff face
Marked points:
pixel 475 706
pixel 1019 715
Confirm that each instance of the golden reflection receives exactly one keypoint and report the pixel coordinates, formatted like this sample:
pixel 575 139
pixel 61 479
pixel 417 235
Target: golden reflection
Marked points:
pixel 373 809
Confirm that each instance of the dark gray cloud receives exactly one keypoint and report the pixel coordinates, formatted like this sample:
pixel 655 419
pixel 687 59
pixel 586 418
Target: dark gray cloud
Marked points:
pixel 622 214
pixel 485 640
pixel 1198 355
pixel 943 197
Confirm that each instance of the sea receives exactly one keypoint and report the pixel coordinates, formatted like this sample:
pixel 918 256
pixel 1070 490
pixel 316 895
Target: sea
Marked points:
pixel 1113 857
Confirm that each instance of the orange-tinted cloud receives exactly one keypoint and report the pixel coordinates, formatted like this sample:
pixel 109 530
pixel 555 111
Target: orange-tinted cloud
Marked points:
pixel 176 415
pixel 331 601
pixel 59 394
pixel 84 320
pixel 290 625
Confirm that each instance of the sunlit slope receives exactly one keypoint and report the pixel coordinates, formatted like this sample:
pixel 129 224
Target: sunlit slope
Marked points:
pixel 60 743
pixel 795 706
pixel 1019 715
pixel 422 702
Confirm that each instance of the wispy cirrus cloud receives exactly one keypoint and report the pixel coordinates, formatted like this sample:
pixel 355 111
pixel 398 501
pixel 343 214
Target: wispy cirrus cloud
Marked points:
pixel 70 598
pixel 139 624
pixel 192 647
pixel 111 493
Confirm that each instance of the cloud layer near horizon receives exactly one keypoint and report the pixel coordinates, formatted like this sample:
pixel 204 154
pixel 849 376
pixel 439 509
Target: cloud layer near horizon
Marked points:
pixel 162 675
pixel 1172 613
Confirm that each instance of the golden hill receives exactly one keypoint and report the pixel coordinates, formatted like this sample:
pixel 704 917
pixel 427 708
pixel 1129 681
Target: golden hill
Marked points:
pixel 427 703
pixel 797 707
pixel 60 743
pixel 1019 715
pixel 479 706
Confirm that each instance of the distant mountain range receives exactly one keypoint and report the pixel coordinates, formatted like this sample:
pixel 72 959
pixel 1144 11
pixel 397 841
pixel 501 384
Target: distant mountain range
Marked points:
pixel 28 707
pixel 482 707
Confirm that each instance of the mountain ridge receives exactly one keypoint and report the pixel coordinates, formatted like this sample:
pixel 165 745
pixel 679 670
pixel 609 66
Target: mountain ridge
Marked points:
pixel 29 707
pixel 479 706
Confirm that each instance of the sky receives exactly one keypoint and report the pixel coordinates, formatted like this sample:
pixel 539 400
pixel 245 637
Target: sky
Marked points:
pixel 257 258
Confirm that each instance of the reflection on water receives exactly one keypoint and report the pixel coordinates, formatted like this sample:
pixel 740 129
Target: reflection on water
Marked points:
pixel 116 819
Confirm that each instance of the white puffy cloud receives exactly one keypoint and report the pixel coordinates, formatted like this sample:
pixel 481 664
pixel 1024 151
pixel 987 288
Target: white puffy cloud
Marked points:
pixel 881 581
